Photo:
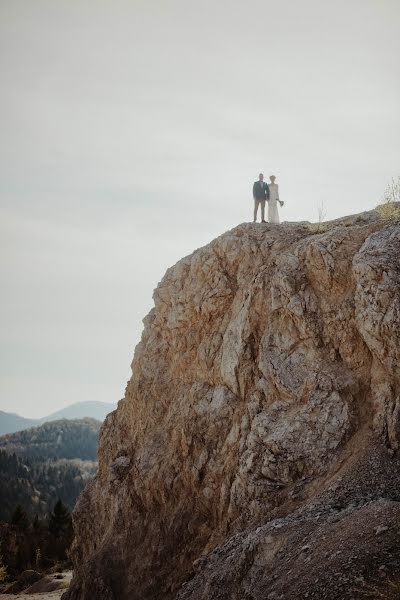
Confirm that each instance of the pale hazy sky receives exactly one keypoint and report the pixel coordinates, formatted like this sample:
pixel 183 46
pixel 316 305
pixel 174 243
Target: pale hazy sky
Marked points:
pixel 131 133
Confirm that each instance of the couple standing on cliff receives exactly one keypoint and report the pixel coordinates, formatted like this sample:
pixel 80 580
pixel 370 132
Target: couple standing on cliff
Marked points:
pixel 263 193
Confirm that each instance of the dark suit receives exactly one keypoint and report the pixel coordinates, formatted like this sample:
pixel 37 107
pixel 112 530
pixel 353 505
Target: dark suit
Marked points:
pixel 260 195
pixel 260 190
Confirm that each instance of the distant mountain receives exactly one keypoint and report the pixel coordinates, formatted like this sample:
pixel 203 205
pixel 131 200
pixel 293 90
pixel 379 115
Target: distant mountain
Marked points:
pixel 47 462
pixel 10 422
pixel 80 410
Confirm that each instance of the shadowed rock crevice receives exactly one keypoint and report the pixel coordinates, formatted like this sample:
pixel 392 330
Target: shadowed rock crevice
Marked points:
pixel 259 430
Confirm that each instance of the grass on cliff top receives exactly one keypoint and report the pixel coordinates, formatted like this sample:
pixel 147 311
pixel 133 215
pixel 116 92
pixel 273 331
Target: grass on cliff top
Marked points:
pixel 389 211
pixel 389 207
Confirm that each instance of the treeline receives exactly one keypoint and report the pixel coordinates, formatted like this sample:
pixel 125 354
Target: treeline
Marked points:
pixel 55 440
pixel 34 544
pixel 41 464
pixel 36 484
pixel 42 472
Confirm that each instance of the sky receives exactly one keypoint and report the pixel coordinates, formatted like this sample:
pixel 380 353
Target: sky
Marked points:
pixel 131 134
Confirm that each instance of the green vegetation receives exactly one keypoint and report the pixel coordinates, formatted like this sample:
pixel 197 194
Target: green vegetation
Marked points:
pixel 20 518
pixel 60 521
pixel 42 472
pixel 35 484
pixel 60 528
pixel 41 464
pixel 55 440
pixel 32 545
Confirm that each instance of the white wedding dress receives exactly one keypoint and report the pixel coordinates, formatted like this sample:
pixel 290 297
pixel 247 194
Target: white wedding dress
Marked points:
pixel 273 215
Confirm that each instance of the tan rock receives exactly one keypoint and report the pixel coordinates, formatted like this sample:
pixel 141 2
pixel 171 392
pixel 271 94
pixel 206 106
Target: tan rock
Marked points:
pixel 269 361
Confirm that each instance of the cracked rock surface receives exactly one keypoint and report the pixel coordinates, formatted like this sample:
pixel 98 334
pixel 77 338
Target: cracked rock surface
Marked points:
pixel 254 455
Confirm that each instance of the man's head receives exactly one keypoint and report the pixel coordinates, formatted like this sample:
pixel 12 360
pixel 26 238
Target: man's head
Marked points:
pixel 261 177
pixel 272 178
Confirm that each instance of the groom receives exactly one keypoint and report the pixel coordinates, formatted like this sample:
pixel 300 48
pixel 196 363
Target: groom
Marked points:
pixel 260 195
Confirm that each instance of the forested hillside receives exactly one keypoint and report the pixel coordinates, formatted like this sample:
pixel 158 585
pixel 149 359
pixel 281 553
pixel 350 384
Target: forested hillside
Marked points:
pixel 54 440
pixel 37 484
pixel 40 465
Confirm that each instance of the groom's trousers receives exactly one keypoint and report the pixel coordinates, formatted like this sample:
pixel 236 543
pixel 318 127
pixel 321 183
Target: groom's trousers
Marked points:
pixel 258 201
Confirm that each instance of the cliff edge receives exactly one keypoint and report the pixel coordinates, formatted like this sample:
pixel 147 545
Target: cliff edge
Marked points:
pixel 254 455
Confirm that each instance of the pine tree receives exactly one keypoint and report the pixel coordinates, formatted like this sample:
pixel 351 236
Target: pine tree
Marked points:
pixel 20 518
pixel 60 529
pixel 60 523
pixel 36 524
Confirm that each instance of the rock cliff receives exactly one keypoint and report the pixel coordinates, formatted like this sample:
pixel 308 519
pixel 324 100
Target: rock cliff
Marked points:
pixel 254 455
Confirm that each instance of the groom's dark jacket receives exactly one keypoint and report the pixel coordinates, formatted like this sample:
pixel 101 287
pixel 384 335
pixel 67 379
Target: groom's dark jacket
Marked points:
pixel 260 190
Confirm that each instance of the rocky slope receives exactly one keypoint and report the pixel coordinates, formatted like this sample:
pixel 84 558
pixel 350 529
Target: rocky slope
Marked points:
pixel 255 452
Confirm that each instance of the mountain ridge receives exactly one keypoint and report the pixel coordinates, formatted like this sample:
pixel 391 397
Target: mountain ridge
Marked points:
pixel 12 422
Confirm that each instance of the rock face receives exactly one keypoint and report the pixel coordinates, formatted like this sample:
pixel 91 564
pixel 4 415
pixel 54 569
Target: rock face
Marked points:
pixel 255 452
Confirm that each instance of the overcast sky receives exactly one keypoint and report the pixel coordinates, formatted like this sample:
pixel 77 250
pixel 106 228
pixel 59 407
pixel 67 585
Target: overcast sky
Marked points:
pixel 131 133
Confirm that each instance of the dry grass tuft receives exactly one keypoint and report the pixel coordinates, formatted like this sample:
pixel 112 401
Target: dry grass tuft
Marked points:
pixel 318 227
pixel 389 210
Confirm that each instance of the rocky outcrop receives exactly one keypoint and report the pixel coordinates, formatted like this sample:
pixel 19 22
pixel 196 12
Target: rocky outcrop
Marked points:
pixel 255 452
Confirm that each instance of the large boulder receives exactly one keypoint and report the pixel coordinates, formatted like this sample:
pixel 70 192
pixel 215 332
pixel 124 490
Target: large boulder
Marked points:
pixel 25 580
pixel 258 435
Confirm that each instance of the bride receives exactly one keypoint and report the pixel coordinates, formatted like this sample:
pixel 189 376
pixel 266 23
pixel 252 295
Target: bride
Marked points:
pixel 273 216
